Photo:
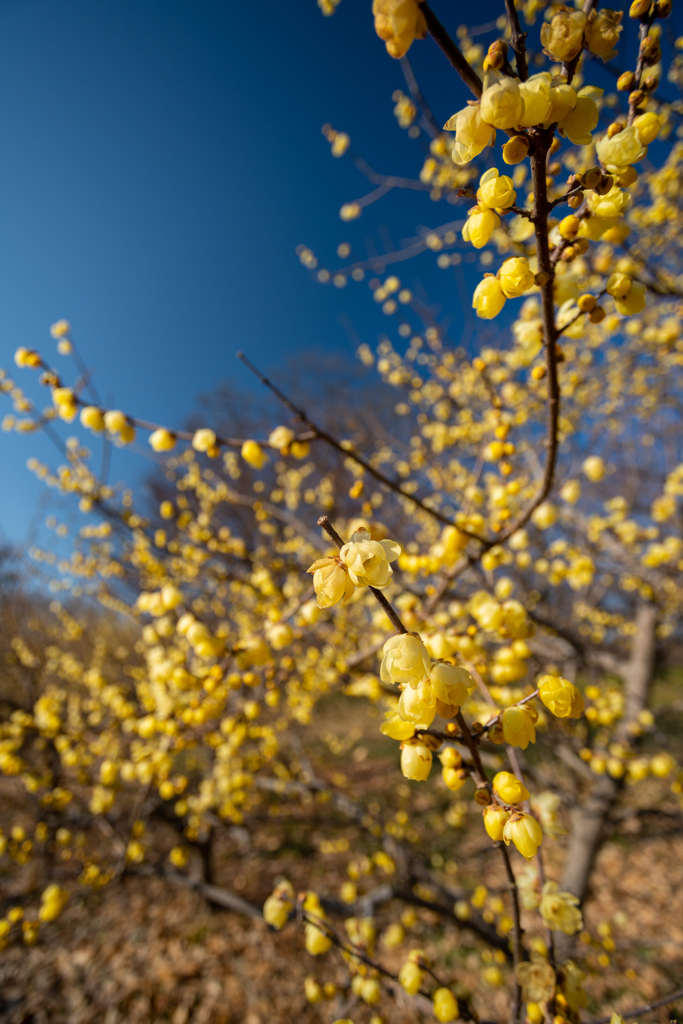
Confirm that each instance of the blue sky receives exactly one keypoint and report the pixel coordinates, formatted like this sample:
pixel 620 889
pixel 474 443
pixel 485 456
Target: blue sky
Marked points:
pixel 161 160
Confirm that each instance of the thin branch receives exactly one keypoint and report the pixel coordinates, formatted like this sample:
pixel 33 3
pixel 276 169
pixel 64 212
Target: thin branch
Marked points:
pixel 517 40
pixel 326 525
pixel 454 55
pixel 517 931
pixel 648 1008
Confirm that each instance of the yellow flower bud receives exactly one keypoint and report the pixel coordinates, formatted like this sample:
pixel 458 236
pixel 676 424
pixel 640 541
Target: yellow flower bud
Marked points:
pixel 508 787
pixel 398 23
pixel 525 832
pixel 516 277
pixel 162 440
pixel 495 819
pixel 479 226
pixel 594 468
pixel 472 134
pixel 571 491
pixel 281 438
pixel 634 302
pixel 488 299
pixel 445 1005
pixel 331 581
pixel 647 126
pixel 450 683
pixel 622 150
pixel 203 440
pixel 253 454
pixel 455 778
pixel 495 190
pixel 602 33
pixel 518 726
pixel 537 100
pixel 516 149
pixel 26 357
pixel 92 418
pixel 502 105
pixel 368 560
pixel 569 227
pixel 410 977
pixel 60 329
pixel 416 760
pixel 562 37
pixel 560 696
pixel 316 940
pixel 405 660
pixel 115 421
pixel 544 516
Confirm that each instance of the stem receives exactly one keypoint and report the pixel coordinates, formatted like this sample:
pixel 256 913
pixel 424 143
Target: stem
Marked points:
pixel 454 55
pixel 517 38
pixel 326 525
pixel 517 932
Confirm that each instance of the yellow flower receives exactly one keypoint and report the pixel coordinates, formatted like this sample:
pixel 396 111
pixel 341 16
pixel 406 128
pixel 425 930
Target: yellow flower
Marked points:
pixel 445 1005
pixel 92 418
pixel 580 122
pixel 502 105
pixel 536 93
pixel 622 150
pixel 525 832
pixel 411 974
pixel 396 727
pixel 416 761
pixel 418 705
pixel 281 438
pixel 495 190
pixel 602 33
pixel 450 683
pixel 162 440
pixel 472 134
pixel 559 910
pixel 647 126
pixel 572 977
pixel 537 979
pixel 495 820
pixel 562 99
pixel 544 516
pixel 561 697
pixel 612 204
pixel 518 726
pixel 398 22
pixel 26 357
pixel 562 38
pixel 488 298
pixel 203 440
pixel 594 466
pixel 316 940
pixel 479 226
pixel 634 302
pixel 253 453
pixel 59 329
pixel 331 581
pixel 516 277
pixel 368 560
pixel 405 660
pixel 508 787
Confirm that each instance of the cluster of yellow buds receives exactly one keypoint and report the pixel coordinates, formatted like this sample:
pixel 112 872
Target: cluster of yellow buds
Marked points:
pixel 52 901
pixel 362 562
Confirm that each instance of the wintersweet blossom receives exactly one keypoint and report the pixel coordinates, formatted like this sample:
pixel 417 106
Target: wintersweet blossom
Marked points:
pixel 560 910
pixel 502 104
pixel 368 560
pixel 516 277
pixel 602 32
pixel 562 37
pixel 560 696
pixel 488 298
pixel 472 133
pixel 524 831
pixel 398 23
pixel 416 760
pixel 331 581
pixel 508 787
pixel 405 660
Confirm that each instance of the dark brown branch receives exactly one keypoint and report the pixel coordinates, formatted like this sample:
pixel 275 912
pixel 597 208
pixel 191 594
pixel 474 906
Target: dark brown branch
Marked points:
pixel 517 953
pixel 326 525
pixel 517 40
pixel 324 436
pixel 448 47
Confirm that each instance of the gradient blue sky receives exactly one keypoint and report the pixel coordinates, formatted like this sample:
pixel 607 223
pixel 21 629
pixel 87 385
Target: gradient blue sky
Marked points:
pixel 161 160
